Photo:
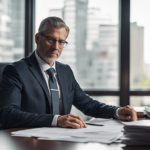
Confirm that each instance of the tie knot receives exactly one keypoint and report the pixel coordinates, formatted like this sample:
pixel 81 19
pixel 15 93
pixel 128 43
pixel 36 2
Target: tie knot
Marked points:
pixel 51 72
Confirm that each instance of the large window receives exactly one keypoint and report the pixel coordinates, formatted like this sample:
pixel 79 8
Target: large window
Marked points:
pixel 108 48
pixel 12 22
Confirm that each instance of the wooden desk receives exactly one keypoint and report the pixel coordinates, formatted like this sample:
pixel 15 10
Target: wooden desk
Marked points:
pixel 7 142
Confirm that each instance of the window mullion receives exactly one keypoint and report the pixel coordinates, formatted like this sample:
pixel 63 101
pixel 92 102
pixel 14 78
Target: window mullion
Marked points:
pixel 124 19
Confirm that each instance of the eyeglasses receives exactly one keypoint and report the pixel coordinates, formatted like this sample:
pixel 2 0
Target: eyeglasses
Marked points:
pixel 51 40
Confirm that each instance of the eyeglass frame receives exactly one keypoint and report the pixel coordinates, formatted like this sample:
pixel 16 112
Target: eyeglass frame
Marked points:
pixel 53 39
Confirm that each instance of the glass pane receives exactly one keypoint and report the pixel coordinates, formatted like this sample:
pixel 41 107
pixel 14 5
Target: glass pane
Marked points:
pixel 109 100
pixel 92 51
pixel 11 30
pixel 140 101
pixel 140 45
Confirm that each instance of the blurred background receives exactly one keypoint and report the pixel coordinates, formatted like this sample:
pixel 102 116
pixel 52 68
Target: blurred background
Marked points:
pixel 93 51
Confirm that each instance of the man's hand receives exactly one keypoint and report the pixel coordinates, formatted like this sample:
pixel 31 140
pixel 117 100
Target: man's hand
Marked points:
pixel 127 113
pixel 71 120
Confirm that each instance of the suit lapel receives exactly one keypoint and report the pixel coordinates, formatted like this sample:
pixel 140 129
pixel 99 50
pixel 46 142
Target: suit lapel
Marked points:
pixel 36 71
pixel 60 75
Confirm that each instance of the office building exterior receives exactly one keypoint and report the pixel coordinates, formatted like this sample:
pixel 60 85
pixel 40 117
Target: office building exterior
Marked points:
pixel 136 55
pixel 11 30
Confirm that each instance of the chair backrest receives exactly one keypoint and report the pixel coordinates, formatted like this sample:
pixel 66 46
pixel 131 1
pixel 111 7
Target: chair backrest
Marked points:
pixel 2 66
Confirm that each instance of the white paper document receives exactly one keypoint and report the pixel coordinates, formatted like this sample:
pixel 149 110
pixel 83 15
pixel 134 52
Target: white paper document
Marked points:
pixel 55 130
pixel 140 123
pixel 108 133
pixel 101 139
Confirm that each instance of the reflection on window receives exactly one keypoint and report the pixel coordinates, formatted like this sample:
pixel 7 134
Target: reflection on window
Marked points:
pixel 109 100
pixel 140 45
pixel 11 30
pixel 92 51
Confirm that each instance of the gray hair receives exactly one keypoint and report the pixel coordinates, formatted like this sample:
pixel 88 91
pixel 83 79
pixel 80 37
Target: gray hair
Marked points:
pixel 55 22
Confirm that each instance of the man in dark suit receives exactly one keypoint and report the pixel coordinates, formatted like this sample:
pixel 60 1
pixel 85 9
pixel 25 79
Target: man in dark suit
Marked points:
pixel 39 91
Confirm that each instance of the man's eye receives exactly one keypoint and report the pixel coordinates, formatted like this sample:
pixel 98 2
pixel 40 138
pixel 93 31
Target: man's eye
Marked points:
pixel 50 39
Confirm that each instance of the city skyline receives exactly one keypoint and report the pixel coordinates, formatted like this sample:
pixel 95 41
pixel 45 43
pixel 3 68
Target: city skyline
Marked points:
pixel 111 9
pixel 101 41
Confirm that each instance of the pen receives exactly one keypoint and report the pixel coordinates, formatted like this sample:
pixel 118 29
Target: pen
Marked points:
pixel 94 124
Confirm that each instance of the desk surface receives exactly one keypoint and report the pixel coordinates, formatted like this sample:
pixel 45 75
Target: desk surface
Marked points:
pixel 7 142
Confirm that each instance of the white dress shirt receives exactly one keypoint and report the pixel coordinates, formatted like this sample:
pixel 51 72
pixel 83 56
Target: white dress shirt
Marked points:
pixel 116 113
pixel 44 66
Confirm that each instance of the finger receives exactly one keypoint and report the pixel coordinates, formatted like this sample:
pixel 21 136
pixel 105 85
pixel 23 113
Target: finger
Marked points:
pixel 127 110
pixel 123 117
pixel 75 120
pixel 131 112
pixel 73 125
pixel 128 106
pixel 84 124
pixel 128 118
pixel 78 117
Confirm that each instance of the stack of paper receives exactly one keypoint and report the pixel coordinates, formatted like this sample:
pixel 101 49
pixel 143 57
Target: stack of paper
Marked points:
pixel 147 110
pixel 103 134
pixel 137 133
pixel 140 111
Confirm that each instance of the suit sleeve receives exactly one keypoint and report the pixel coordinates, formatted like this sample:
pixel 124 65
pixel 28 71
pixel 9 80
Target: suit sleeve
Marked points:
pixel 91 107
pixel 10 102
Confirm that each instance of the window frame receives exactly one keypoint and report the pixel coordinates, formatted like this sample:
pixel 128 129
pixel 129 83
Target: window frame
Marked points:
pixel 29 26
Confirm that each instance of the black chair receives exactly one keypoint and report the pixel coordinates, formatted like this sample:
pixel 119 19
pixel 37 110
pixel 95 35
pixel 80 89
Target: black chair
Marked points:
pixel 2 66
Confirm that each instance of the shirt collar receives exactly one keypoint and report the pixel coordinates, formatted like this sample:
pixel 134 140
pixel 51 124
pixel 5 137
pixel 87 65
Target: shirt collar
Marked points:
pixel 43 65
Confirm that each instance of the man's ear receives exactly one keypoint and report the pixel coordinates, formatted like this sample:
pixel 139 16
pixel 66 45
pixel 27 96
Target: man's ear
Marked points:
pixel 37 38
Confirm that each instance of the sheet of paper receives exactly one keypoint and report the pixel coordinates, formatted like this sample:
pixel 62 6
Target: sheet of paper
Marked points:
pixel 84 139
pixel 141 123
pixel 56 130
pixel 70 139
pixel 21 135
pixel 104 132
pixel 108 133
pixel 27 132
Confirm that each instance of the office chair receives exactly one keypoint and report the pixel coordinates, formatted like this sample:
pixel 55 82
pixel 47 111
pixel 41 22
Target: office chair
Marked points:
pixel 2 66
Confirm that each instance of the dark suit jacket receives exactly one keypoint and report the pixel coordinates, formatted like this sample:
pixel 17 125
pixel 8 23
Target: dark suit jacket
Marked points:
pixel 25 99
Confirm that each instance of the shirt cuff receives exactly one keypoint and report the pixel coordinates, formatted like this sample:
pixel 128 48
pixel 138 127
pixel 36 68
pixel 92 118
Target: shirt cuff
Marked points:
pixel 54 122
pixel 116 113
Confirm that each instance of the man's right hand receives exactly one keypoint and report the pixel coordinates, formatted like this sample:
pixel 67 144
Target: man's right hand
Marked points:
pixel 71 120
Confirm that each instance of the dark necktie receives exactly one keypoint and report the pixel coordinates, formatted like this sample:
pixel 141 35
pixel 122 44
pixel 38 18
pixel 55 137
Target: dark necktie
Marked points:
pixel 54 91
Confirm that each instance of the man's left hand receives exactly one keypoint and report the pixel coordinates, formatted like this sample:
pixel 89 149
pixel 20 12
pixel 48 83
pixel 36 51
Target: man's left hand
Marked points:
pixel 127 113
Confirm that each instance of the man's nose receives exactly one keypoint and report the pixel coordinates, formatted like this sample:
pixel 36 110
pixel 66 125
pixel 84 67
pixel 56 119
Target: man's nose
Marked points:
pixel 56 45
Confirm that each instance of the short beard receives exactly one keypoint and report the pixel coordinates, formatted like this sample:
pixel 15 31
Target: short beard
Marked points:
pixel 47 60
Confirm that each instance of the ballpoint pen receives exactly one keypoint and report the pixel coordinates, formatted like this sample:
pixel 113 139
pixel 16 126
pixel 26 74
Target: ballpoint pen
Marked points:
pixel 94 124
